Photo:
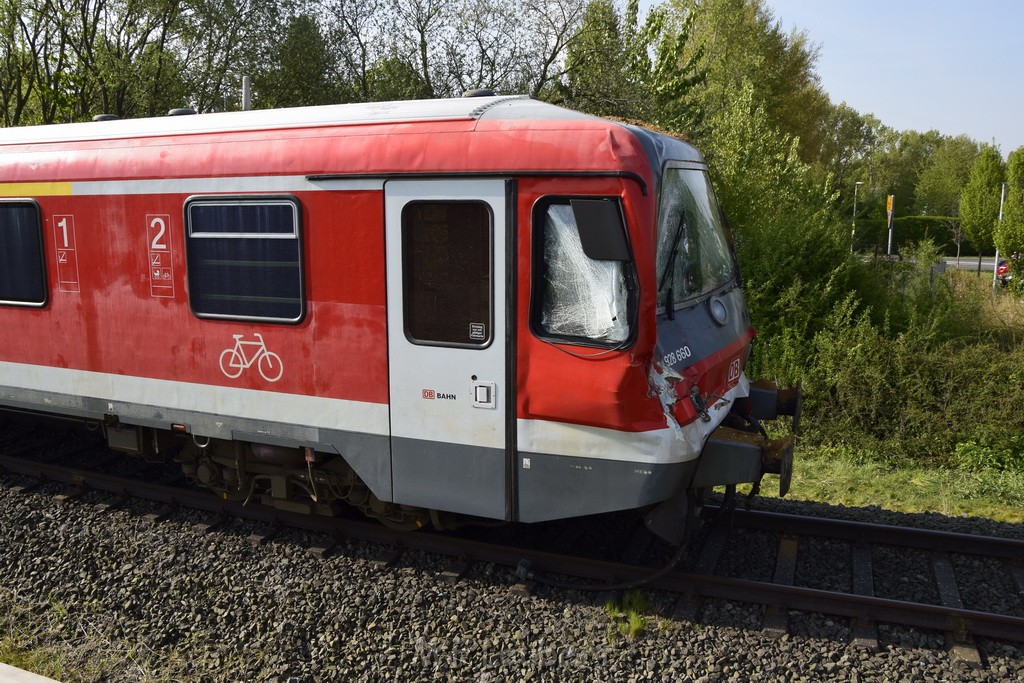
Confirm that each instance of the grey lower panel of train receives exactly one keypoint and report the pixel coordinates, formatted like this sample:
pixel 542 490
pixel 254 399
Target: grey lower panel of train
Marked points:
pixel 557 486
pixel 453 477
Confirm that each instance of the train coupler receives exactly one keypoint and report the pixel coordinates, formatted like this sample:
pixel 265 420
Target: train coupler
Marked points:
pixel 768 402
pixel 737 456
pixel 777 458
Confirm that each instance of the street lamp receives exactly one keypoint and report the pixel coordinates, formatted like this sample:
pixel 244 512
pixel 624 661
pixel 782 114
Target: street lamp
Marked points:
pixel 853 230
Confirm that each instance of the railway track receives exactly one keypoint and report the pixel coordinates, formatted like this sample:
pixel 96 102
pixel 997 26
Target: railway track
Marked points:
pixel 951 614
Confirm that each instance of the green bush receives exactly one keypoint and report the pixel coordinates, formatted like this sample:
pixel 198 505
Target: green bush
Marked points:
pixel 921 383
pixel 872 236
pixel 1016 284
pixel 1001 451
pixel 892 359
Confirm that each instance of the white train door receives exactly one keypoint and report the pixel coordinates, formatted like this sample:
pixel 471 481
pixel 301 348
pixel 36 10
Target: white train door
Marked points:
pixel 447 343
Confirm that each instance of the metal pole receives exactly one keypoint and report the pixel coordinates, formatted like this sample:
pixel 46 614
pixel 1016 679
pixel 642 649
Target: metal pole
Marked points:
pixel 853 229
pixel 995 264
pixel 246 94
pixel 892 210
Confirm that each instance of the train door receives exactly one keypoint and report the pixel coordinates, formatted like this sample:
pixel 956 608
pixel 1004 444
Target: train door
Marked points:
pixel 447 355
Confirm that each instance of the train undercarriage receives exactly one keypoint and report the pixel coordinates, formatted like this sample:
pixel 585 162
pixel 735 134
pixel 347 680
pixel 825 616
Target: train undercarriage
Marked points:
pixel 300 480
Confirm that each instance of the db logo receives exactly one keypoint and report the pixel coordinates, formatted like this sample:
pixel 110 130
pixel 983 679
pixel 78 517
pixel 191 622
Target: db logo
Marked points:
pixel 734 371
pixel 429 394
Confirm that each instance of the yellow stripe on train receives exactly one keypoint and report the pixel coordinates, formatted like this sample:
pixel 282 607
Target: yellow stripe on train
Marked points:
pixel 34 189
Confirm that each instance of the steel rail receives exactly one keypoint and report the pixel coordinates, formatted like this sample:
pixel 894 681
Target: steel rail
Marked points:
pixel 880 534
pixel 961 621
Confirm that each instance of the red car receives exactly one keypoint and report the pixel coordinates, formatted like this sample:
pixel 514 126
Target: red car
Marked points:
pixel 1003 272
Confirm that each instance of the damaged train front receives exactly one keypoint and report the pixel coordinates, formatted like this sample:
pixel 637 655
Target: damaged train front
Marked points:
pixel 704 342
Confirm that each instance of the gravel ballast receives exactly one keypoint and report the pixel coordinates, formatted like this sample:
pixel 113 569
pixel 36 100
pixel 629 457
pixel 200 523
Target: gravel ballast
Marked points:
pixel 120 597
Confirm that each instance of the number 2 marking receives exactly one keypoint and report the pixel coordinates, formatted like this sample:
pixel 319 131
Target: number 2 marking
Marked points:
pixel 161 257
pixel 157 243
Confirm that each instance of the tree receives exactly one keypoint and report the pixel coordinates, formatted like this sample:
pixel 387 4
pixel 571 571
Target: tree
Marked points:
pixel 392 78
pixel 355 31
pixel 675 72
pixel 979 201
pixel 131 69
pixel 551 26
pixel 222 41
pixel 54 74
pixel 486 47
pixel 67 60
pixel 1010 234
pixel 596 64
pixel 619 67
pixel 303 72
pixel 767 191
pixel 848 138
pixel 956 233
pixel 21 42
pixel 107 56
pixel 742 43
pixel 894 165
pixel 451 45
pixel 944 176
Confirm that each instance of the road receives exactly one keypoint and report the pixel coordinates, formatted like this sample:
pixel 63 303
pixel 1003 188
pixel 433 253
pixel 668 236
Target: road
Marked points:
pixel 971 263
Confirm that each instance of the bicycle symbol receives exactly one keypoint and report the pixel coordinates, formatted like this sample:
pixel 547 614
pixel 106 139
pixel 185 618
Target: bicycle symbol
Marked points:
pixel 233 361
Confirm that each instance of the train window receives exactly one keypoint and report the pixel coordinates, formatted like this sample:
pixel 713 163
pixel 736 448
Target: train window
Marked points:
pixel 578 298
pixel 244 258
pixel 694 254
pixel 447 264
pixel 22 267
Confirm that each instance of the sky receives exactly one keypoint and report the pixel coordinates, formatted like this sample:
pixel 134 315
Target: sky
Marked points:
pixel 956 67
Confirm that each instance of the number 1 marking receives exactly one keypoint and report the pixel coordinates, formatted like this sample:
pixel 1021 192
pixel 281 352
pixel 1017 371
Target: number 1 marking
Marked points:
pixel 63 225
pixel 67 253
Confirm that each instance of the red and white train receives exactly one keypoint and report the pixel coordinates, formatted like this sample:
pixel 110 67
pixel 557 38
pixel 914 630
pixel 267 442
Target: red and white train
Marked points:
pixel 485 306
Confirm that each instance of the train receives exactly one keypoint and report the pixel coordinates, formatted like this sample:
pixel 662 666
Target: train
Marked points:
pixel 484 308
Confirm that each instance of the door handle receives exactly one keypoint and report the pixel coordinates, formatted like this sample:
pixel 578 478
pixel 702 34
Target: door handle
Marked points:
pixel 485 395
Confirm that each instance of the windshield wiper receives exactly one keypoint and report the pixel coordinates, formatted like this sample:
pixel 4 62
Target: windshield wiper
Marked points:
pixel 670 265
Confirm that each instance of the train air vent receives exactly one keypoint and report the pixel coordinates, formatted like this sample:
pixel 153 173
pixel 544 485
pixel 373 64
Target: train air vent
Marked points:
pixel 184 111
pixel 106 117
pixel 479 92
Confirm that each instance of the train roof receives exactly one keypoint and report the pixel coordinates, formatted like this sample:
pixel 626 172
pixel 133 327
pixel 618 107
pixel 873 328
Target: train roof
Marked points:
pixel 507 134
pixel 499 107
pixel 407 111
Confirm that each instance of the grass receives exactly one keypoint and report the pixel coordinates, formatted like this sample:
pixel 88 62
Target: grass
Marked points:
pixel 46 661
pixel 80 644
pixel 21 643
pixel 837 476
pixel 629 618
pixel 1000 308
